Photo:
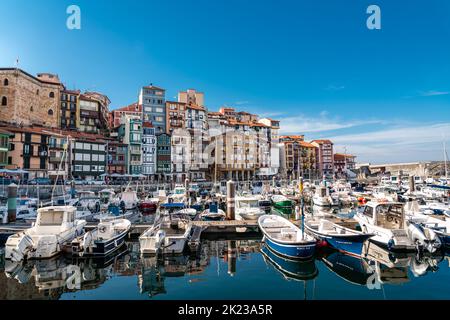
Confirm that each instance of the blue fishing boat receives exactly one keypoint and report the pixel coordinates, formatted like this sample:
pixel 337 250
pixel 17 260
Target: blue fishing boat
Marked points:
pixel 338 235
pixel 285 238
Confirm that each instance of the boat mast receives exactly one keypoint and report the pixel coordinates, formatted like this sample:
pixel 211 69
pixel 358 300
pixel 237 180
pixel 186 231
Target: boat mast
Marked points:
pixel 445 161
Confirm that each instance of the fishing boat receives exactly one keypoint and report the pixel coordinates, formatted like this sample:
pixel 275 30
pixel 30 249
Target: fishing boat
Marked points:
pixel 114 212
pixel 149 205
pixel 279 201
pixel 322 198
pixel 291 269
pixel 168 235
pixel 178 194
pixel 248 207
pixel 129 200
pixel 213 213
pixel 283 237
pixel 103 240
pixel 107 196
pixel 336 233
pixel 54 227
pixel 436 223
pixel 386 219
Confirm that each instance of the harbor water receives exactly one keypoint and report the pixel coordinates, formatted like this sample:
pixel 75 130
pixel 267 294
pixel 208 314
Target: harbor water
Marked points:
pixel 224 269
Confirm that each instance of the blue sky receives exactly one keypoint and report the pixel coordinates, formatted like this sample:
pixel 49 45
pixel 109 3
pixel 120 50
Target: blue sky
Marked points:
pixel 382 94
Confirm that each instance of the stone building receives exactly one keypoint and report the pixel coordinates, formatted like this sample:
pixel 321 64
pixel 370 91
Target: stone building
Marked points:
pixel 29 100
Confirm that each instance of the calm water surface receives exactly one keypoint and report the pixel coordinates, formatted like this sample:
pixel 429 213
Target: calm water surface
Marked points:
pixel 238 269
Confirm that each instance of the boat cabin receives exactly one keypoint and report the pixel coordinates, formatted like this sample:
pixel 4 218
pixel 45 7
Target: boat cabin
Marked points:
pixel 247 202
pixel 388 215
pixel 55 216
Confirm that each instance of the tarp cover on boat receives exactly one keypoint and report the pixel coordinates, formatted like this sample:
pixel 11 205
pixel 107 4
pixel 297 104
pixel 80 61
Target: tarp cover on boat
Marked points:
pixel 173 205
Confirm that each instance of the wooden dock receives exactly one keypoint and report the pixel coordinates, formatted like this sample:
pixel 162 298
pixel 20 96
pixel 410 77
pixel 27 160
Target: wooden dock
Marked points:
pixel 220 228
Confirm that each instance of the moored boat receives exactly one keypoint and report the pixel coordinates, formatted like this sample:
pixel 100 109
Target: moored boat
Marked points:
pixel 54 227
pixel 103 240
pixel 280 201
pixel 283 237
pixel 337 235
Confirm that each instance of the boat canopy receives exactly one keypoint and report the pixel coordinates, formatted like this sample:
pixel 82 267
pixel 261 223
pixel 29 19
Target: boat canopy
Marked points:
pixel 172 205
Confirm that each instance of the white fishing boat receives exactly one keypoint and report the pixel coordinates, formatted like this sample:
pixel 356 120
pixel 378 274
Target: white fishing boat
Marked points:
pixel 178 194
pixel 169 235
pixel 54 227
pixel 322 198
pixel 385 193
pixel 386 219
pixel 248 207
pixel 103 240
pixel 129 200
pixel 432 223
pixel 107 196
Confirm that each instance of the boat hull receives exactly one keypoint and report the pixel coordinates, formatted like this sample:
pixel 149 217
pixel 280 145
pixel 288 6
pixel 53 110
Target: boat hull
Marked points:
pixel 283 204
pixel 103 248
pixel 292 251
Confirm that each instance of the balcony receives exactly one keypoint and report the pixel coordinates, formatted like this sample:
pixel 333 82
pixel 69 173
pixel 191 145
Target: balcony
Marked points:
pixel 55 159
pixel 117 162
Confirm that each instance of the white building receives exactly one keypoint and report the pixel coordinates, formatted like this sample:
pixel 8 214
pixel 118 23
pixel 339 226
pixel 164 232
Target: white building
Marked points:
pixel 148 149
pixel 274 142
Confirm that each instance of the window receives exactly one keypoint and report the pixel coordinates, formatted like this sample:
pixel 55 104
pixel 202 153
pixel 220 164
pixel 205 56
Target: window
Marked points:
pixel 51 94
pixel 368 212
pixel 4 101
pixel 50 112
pixel 160 110
pixel 6 82
pixel 95 157
pixel 31 109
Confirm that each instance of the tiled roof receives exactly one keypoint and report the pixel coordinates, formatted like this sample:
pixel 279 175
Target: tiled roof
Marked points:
pixel 152 87
pixel 322 141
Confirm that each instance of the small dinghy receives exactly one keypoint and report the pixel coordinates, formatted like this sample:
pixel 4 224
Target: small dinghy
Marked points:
pixel 103 240
pixel 338 235
pixel 285 238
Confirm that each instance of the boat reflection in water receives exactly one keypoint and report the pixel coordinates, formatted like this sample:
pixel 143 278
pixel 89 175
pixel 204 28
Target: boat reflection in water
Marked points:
pixel 61 274
pixel 378 266
pixel 291 269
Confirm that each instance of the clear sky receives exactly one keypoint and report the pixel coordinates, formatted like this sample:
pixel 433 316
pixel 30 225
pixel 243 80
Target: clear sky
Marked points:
pixel 381 94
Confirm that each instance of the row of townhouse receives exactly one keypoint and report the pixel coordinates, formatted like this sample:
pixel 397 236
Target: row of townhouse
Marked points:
pixel 154 137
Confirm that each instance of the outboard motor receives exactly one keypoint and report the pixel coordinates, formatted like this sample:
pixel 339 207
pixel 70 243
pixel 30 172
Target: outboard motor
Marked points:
pixel 424 237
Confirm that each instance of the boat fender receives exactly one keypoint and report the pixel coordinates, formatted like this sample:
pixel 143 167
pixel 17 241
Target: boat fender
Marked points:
pixel 322 244
pixel 97 207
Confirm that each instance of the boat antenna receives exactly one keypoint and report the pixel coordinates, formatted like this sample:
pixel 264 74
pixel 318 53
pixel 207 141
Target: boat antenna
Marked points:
pixel 445 161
